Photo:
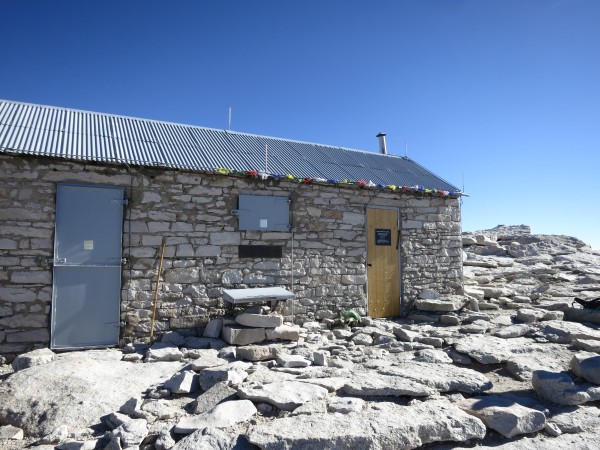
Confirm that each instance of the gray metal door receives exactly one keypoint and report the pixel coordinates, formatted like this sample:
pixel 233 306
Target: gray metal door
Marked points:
pixel 87 266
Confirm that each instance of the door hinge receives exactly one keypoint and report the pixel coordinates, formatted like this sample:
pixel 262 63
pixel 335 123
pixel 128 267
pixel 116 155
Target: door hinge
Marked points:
pixel 124 261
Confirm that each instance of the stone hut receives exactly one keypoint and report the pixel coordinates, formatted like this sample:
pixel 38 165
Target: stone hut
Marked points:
pixel 88 199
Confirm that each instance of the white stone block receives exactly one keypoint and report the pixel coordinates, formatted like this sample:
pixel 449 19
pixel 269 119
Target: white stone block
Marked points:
pixel 242 336
pixel 259 320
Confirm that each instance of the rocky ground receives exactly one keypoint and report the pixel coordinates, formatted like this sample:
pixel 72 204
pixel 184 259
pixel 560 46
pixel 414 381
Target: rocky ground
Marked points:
pixel 512 364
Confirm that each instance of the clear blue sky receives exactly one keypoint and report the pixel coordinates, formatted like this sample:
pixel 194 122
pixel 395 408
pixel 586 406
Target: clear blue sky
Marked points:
pixel 505 91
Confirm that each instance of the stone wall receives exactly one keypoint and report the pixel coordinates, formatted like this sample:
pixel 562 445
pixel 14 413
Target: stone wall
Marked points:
pixel 192 211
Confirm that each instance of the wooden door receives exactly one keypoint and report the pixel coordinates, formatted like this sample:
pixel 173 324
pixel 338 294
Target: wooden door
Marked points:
pixel 382 262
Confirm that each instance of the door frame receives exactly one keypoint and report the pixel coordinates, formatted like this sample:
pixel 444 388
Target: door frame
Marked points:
pixel 53 260
pixel 399 262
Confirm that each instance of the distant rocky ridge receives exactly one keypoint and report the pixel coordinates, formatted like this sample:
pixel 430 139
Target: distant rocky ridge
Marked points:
pixel 512 364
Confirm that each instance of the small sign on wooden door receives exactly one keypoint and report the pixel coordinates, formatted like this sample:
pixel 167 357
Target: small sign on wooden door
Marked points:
pixel 383 236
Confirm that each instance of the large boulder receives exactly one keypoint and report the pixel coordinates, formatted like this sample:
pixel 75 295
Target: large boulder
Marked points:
pixel 76 390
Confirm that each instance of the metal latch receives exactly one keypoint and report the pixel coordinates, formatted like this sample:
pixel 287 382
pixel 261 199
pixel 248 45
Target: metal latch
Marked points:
pixel 115 201
pixel 57 260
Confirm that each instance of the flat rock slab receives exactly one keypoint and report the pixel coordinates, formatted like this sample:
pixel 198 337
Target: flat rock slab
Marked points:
pixel 533 356
pixel 262 375
pixel 332 384
pixel 446 304
pixel 206 401
pixel 573 420
pixel 153 410
pixel 232 373
pixel 565 332
pixel 223 415
pixel 529 315
pixel 440 376
pixel 405 335
pixel 513 331
pixel 386 426
pixel 589 345
pixel 285 395
pixel 504 415
pixel 259 320
pixel 487 349
pixel 345 405
pixel 85 386
pixel 582 315
pixel 206 358
pixel 287 360
pixel 372 384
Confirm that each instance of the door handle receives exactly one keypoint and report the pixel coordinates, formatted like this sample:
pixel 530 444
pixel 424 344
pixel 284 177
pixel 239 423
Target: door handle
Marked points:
pixel 370 265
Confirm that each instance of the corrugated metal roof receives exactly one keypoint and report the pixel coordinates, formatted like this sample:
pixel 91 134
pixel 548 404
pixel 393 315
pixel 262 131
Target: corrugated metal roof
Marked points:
pixel 89 136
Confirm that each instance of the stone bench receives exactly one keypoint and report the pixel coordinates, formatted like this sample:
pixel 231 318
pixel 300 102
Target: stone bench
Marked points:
pixel 257 295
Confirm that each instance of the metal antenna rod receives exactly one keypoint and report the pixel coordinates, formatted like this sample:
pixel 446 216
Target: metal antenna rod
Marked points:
pixel 405 148
pixel 229 119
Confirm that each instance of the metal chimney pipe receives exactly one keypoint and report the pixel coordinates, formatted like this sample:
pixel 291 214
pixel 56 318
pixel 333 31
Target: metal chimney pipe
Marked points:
pixel 382 144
